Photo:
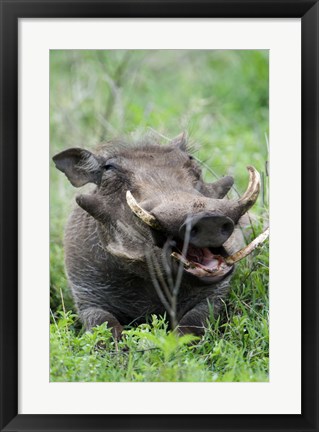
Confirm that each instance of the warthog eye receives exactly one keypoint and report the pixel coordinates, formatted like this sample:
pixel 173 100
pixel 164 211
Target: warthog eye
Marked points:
pixel 109 166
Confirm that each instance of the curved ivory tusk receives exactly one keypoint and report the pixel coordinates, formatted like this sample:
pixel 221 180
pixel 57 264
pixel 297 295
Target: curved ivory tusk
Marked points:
pixel 250 196
pixel 247 249
pixel 140 212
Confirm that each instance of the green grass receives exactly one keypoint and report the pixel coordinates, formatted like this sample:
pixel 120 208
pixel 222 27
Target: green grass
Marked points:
pixel 221 99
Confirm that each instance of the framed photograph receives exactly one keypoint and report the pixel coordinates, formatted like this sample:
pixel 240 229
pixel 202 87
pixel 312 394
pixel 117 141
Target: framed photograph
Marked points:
pixel 148 151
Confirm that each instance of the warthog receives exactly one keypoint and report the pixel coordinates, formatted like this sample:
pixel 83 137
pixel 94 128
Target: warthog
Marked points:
pixel 152 236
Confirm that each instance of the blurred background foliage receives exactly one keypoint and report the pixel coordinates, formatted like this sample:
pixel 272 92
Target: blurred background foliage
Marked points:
pixel 219 97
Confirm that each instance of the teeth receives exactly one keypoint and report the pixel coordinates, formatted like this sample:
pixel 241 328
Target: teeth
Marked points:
pixel 179 257
pixel 242 253
pixel 190 265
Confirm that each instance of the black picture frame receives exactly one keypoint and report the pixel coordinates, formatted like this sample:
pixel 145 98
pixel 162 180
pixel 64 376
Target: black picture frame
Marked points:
pixel 11 11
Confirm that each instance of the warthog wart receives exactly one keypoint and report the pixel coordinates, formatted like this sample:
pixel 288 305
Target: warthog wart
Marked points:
pixel 125 241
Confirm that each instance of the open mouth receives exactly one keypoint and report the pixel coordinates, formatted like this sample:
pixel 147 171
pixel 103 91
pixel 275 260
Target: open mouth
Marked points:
pixel 203 262
pixel 213 263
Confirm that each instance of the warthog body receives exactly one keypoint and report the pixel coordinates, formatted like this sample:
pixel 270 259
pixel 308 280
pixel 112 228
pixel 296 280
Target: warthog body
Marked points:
pixel 116 261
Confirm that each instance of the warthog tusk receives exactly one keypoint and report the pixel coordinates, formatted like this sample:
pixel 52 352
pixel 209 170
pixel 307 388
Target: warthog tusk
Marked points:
pixel 250 196
pixel 142 214
pixel 242 253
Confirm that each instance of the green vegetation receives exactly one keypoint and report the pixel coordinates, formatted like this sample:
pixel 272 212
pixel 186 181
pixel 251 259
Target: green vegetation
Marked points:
pixel 221 99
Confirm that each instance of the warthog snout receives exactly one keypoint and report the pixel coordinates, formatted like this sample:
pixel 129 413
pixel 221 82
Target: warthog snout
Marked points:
pixel 206 230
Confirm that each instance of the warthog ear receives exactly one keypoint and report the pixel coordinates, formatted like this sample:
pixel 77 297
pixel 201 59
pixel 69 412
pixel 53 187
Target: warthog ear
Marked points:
pixel 80 166
pixel 219 188
pixel 181 141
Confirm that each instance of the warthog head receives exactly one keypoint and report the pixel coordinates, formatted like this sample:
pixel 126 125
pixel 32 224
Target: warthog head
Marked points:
pixel 149 201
